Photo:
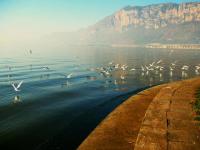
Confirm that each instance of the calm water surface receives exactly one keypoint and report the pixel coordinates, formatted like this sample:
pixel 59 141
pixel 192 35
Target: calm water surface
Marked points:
pixel 53 112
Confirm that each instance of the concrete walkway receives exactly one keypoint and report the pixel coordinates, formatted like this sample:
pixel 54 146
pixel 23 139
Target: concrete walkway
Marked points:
pixel 119 130
pixel 159 118
pixel 169 120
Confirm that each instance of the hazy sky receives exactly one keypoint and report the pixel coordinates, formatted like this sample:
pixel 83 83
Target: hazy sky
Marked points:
pixel 29 18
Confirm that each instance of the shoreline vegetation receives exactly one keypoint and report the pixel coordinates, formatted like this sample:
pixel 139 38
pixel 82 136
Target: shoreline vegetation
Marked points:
pixel 159 46
pixel 197 105
pixel 160 117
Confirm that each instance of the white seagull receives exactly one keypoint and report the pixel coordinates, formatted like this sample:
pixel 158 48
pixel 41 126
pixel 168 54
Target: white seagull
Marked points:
pixel 110 63
pixel 142 68
pixel 124 67
pixel 185 67
pixel 115 82
pixel 132 69
pixel 45 68
pixel 16 88
pixel 171 69
pixel 152 64
pixel 197 67
pixel 159 61
pixel 122 77
pixel 116 66
pixel 161 68
pixel 69 75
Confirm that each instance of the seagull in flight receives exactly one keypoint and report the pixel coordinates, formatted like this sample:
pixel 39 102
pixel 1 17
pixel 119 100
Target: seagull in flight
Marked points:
pixel 69 75
pixel 159 61
pixel 16 87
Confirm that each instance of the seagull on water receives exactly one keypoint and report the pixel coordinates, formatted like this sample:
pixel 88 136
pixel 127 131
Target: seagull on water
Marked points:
pixel 110 63
pixel 16 87
pixel 116 66
pixel 173 64
pixel 45 68
pixel 142 68
pixel 124 67
pixel 133 69
pixel 122 77
pixel 171 69
pixel 105 73
pixel 197 67
pixel 185 67
pixel 115 82
pixel 161 68
pixel 197 70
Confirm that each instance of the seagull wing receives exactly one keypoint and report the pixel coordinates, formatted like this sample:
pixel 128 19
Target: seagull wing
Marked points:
pixel 13 85
pixel 69 76
pixel 18 86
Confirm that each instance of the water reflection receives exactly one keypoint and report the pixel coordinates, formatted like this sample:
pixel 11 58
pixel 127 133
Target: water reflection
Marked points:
pixel 44 76
pixel 66 84
pixel 17 99
pixel 63 101
pixel 184 74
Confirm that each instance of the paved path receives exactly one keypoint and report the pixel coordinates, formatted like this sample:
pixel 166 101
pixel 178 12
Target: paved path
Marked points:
pixel 169 120
pixel 119 130
pixel 159 118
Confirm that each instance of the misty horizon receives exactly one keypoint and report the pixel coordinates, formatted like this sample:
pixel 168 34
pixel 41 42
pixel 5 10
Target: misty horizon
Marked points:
pixel 32 18
pixel 99 74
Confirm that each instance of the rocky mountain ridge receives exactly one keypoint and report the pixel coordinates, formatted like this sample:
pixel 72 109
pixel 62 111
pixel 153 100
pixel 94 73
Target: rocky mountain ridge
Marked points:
pixel 167 23
pixel 152 16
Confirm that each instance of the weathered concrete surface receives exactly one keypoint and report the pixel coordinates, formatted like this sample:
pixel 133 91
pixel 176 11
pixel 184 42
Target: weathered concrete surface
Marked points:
pixel 169 120
pixel 120 128
pixel 160 118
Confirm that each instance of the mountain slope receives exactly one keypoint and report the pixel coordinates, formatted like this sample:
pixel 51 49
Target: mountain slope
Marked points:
pixel 151 16
pixel 166 23
pixel 159 23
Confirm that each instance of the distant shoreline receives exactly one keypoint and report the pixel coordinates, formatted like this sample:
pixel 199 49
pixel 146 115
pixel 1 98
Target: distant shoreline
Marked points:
pixel 159 46
pixel 173 46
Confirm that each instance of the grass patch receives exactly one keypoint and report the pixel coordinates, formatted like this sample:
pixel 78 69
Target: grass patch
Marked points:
pixel 197 118
pixel 197 104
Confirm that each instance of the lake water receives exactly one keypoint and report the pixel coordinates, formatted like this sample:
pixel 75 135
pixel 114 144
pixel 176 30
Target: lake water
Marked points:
pixel 53 112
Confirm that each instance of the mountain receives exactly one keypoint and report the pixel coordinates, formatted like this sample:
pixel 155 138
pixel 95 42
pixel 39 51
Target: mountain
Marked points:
pixel 151 16
pixel 164 23
pixel 157 23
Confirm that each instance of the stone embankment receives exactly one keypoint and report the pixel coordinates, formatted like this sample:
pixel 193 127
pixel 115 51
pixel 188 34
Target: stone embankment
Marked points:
pixel 159 118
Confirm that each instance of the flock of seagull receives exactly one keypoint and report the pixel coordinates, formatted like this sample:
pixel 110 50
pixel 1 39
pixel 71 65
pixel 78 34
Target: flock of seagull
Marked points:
pixel 154 67
pixel 107 71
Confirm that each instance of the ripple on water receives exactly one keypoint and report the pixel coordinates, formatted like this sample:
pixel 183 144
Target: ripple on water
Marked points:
pixel 53 111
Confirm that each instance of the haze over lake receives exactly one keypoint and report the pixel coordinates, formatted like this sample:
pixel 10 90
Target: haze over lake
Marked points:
pixel 65 65
pixel 54 111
